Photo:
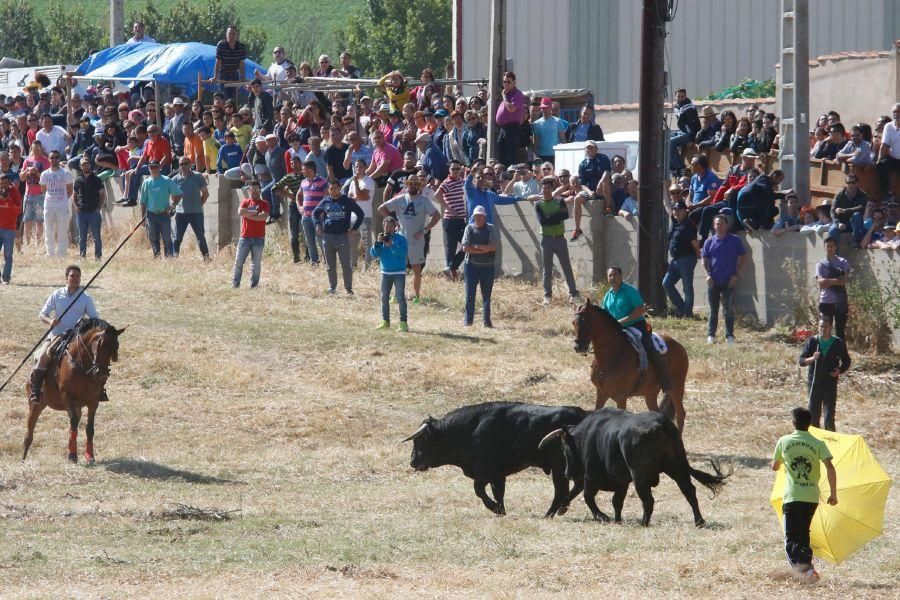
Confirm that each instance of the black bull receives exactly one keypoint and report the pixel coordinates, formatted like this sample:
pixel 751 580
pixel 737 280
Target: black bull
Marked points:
pixel 493 440
pixel 610 448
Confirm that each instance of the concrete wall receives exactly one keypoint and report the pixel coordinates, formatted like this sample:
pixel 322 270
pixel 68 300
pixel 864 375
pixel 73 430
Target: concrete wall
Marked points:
pixel 859 89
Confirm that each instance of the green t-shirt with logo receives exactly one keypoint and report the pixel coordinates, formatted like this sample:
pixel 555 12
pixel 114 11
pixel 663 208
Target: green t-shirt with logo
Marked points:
pixel 800 454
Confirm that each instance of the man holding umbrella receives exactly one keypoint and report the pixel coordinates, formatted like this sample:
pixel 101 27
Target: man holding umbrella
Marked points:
pixel 801 453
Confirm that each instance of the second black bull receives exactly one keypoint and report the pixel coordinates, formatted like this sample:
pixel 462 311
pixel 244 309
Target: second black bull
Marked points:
pixel 494 440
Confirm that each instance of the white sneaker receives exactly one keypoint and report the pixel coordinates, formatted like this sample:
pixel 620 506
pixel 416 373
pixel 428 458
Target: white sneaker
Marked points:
pixel 729 340
pixel 710 339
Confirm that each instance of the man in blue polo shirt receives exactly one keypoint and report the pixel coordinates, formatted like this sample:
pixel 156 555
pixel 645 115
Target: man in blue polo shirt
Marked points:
pixel 155 195
pixel 723 258
pixel 624 302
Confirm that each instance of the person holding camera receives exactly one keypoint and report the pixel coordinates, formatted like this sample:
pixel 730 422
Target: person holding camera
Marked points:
pixel 10 209
pixel 833 274
pixel 390 250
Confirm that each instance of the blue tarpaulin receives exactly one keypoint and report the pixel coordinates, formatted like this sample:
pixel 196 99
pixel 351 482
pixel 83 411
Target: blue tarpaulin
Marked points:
pixel 176 64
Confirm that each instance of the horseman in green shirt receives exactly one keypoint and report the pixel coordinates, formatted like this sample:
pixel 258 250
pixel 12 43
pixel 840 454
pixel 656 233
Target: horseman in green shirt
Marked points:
pixel 624 302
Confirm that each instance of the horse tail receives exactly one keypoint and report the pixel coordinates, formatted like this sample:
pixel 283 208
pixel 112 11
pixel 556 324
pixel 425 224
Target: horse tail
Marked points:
pixel 714 483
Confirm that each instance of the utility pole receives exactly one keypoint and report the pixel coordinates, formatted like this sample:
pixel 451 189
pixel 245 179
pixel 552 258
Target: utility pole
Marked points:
pixel 498 66
pixel 116 23
pixel 651 154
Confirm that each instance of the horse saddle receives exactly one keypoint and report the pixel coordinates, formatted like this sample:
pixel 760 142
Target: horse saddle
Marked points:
pixel 634 336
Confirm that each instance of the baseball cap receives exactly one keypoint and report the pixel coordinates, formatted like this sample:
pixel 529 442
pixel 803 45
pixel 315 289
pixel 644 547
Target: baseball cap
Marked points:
pixel 177 101
pixel 749 153
pixel 423 137
pixel 479 210
pixel 591 143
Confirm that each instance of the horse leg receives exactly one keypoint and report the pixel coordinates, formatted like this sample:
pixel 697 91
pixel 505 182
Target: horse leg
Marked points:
pixel 89 434
pixel 74 418
pixel 34 411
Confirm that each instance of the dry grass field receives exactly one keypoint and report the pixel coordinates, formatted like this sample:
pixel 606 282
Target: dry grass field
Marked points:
pixel 280 411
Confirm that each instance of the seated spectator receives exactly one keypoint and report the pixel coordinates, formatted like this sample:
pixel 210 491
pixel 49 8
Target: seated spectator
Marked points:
pixel 722 138
pixel 584 128
pixel 873 237
pixel 892 213
pixel 816 140
pixel 629 207
pixel 790 215
pixel 816 220
pixel 688 124
pixel 740 141
pixel 704 184
pixel 829 148
pixel 766 139
pixel 857 151
pixel 710 127
pixel 847 209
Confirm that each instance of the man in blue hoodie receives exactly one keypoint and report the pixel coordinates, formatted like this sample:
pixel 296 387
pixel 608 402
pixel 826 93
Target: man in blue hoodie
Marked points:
pixel 333 221
pixel 390 250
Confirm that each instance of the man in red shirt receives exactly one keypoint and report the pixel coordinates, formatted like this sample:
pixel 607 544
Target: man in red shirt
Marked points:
pixel 10 207
pixel 156 149
pixel 253 212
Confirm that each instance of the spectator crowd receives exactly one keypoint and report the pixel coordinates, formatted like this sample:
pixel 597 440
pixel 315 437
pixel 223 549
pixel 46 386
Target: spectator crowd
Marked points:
pixel 368 171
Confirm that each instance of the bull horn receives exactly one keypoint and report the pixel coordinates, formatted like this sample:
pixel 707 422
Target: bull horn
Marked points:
pixel 418 432
pixel 553 434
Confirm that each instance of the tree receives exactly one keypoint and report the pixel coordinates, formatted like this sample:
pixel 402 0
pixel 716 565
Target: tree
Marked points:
pixel 69 36
pixel 191 21
pixel 396 34
pixel 20 32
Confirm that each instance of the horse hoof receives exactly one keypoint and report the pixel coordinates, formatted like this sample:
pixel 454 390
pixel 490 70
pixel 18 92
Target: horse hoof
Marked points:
pixel 73 458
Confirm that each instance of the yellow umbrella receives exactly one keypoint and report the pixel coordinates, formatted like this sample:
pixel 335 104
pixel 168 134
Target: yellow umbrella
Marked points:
pixel 862 488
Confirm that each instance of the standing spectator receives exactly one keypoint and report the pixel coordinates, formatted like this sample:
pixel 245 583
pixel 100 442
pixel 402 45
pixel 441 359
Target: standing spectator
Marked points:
pixel 800 453
pixel 193 147
pixel 173 127
pixel 348 69
pixel 288 187
pixel 688 126
pixel 412 210
pixel 274 158
pixel 386 159
pixel 312 190
pixel 479 193
pixel 278 69
pixel 474 137
pixel 139 36
pixel 253 212
pixel 826 358
pixel 155 195
pixel 390 250
pixel 552 214
pixel 333 221
pixel 334 157
pixel 510 116
pixel 396 182
pixel 230 154
pixel 395 88
pixel 189 211
pixel 889 152
pixel 451 195
pixel 434 163
pixel 230 57
pixel 723 258
pixel 361 189
pixel 32 167
pixel 684 250
pixel 262 107
pixel 548 131
pixel 157 149
pixel 10 209
pixel 480 241
pixel 90 197
pixel 52 137
pixel 57 186
pixel 584 129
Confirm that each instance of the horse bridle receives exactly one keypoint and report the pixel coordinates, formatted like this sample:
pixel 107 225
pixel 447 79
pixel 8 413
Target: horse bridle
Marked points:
pixel 583 328
pixel 96 370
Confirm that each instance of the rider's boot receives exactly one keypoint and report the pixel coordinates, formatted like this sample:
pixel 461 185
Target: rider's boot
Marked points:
pixel 37 384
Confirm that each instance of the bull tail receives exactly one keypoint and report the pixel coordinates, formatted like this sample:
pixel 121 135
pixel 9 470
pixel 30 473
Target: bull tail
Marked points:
pixel 714 483
pixel 667 407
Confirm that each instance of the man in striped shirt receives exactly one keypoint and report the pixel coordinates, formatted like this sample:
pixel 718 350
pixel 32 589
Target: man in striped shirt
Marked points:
pixel 451 195
pixel 230 57
pixel 312 190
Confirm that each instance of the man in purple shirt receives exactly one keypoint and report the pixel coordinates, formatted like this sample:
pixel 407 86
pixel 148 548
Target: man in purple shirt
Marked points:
pixel 723 258
pixel 832 275
pixel 510 115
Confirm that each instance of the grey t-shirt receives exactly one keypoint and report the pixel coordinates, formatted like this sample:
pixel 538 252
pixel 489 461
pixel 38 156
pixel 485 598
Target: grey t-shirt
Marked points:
pixel 412 213
pixel 833 269
pixel 190 186
pixel 486 235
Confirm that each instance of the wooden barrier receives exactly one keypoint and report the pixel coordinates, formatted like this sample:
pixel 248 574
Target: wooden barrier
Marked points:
pixel 827 178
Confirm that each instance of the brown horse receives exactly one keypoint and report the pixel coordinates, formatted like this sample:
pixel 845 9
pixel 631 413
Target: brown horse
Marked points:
pixel 76 379
pixel 615 371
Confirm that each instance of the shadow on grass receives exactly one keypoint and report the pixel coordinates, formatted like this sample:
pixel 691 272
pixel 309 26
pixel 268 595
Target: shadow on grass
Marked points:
pixel 751 462
pixel 146 469
pixel 458 336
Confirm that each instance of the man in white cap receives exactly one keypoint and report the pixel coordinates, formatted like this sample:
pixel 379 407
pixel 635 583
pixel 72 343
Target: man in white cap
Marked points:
pixel 479 242
pixel 412 210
